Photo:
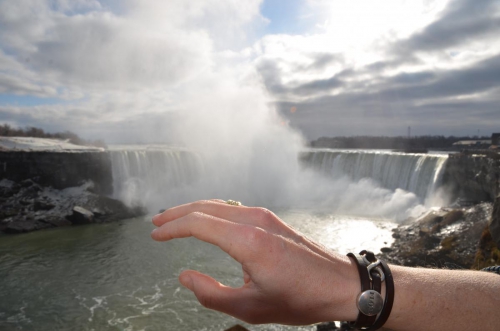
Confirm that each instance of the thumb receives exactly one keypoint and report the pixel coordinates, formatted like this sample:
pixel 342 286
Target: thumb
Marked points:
pixel 214 295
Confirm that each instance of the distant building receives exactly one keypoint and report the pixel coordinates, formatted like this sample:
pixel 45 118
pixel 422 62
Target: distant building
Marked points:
pixel 472 143
pixel 495 139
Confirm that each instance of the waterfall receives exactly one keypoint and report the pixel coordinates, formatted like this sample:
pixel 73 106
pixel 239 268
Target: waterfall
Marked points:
pixel 417 173
pixel 159 176
pixel 141 172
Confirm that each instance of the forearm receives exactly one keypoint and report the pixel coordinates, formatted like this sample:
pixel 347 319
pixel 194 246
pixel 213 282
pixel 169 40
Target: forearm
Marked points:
pixel 289 279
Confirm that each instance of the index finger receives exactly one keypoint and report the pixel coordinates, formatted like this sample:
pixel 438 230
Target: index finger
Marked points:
pixel 259 217
pixel 217 208
pixel 237 240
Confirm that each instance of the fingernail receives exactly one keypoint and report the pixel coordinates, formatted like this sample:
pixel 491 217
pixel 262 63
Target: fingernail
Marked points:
pixel 155 217
pixel 153 232
pixel 187 281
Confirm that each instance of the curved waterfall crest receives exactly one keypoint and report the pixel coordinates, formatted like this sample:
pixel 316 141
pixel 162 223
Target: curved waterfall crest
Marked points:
pixel 158 177
pixel 417 173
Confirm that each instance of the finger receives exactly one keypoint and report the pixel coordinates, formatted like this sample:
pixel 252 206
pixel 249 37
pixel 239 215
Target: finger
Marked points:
pixel 182 210
pixel 259 217
pixel 214 295
pixel 238 240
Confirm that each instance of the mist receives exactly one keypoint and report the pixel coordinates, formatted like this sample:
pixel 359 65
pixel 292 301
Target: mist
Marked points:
pixel 246 151
pixel 172 72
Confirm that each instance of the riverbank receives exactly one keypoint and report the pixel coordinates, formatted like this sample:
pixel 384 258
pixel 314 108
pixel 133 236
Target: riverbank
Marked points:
pixel 27 206
pixel 452 238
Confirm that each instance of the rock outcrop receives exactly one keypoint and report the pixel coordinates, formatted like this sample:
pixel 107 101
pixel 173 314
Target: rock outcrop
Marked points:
pixel 441 238
pixel 472 177
pixel 59 170
pixel 27 206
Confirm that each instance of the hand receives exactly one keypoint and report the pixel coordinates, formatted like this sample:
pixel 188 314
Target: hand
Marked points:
pixel 288 278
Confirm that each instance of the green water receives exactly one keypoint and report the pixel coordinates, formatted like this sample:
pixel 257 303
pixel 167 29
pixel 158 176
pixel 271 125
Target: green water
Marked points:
pixel 114 277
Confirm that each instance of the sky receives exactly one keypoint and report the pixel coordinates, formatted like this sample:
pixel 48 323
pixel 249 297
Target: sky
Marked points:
pixel 129 70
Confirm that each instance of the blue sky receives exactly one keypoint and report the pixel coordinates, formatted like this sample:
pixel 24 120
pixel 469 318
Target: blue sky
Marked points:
pixel 285 17
pixel 346 67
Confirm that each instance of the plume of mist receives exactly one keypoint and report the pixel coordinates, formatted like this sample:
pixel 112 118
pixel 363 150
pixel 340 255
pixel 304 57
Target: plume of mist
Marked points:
pixel 173 71
pixel 249 153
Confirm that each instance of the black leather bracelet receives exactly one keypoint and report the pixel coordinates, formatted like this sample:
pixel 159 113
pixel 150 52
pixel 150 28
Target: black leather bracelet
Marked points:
pixel 362 320
pixel 372 313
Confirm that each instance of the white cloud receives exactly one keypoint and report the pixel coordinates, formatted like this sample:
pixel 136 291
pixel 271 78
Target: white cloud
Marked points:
pixel 113 66
pixel 151 57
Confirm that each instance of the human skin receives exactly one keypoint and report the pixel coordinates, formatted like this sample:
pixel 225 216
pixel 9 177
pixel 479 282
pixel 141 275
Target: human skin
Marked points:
pixel 290 279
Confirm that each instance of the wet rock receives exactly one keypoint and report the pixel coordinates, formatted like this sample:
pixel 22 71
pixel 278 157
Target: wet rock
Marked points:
pixel 33 207
pixel 444 237
pixel 20 226
pixel 386 249
pixel 42 205
pixel 5 183
pixel 81 215
pixel 9 212
pixel 488 254
pixel 25 225
pixel 27 183
pixel 55 221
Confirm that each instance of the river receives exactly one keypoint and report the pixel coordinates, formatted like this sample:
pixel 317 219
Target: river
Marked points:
pixel 114 277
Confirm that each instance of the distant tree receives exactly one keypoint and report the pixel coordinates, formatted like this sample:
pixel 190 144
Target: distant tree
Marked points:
pixel 381 142
pixel 7 131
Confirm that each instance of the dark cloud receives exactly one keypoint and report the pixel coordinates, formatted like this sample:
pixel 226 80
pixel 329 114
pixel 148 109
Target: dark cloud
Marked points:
pixel 462 22
pixel 361 114
pixel 323 85
pixel 321 60
pixel 413 78
pixel 450 96
pixel 479 77
pixel 432 101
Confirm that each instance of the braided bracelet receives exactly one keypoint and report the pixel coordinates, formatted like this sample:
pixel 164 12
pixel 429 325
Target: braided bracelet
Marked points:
pixel 373 310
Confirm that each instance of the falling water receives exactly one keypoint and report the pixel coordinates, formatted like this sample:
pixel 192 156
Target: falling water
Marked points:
pixel 141 171
pixel 417 173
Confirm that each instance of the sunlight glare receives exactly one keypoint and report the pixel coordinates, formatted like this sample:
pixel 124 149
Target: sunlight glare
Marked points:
pixel 360 23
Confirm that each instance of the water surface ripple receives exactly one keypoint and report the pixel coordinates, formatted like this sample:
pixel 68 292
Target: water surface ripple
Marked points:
pixel 114 277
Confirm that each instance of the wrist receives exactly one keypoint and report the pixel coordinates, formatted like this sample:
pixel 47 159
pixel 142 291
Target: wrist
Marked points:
pixel 343 293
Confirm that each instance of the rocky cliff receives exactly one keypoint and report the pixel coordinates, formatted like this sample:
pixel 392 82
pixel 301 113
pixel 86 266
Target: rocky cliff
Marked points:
pixel 45 189
pixel 59 170
pixel 472 177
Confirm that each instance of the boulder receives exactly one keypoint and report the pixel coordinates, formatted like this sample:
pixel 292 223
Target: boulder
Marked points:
pixel 81 215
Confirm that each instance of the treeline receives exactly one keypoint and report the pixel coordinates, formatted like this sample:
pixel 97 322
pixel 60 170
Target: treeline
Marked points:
pixel 8 131
pixel 371 142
